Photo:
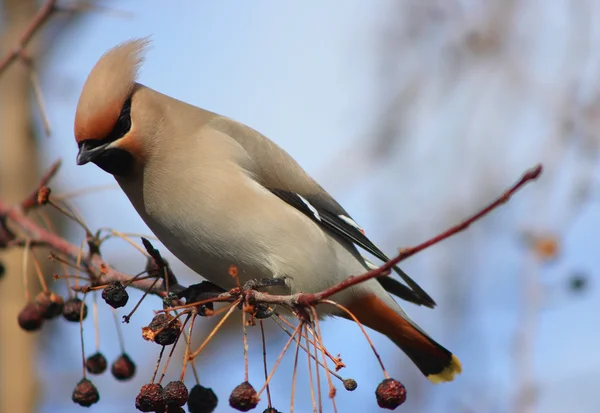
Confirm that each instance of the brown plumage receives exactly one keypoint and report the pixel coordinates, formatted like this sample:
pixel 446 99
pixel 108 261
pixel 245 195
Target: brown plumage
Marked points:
pixel 217 192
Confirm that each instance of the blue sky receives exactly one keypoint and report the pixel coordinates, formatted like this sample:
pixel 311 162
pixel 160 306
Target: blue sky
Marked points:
pixel 307 76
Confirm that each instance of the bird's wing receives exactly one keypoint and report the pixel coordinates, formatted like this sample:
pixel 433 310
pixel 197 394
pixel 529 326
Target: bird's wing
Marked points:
pixel 327 213
pixel 277 171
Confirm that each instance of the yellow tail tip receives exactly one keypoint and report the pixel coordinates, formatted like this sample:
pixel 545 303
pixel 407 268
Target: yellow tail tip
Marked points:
pixel 454 368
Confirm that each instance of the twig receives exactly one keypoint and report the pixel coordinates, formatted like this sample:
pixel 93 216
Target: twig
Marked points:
pixel 306 299
pixel 40 18
pixel 39 236
pixel 101 272
pixel 32 200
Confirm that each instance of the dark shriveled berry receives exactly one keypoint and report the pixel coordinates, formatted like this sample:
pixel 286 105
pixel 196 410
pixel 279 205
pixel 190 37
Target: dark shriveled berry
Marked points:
pixel 96 363
pixel 72 310
pixel 202 400
pixel 271 410
pixel 176 393
pixel 163 330
pixel 151 398
pixel 350 384
pixel 175 409
pixel 50 304
pixel 123 368
pixel 243 397
pixel 115 295
pixel 85 393
pixel 390 394
pixel 30 318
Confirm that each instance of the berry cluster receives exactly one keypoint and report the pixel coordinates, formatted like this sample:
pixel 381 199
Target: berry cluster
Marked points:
pixel 172 324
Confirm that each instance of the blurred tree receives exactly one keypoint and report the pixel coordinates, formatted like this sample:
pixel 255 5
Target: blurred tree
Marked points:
pixel 19 172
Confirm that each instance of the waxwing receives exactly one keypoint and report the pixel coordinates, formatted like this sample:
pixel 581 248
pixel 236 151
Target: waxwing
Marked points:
pixel 216 192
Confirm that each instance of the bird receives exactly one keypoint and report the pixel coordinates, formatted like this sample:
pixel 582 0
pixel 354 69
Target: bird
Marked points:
pixel 218 193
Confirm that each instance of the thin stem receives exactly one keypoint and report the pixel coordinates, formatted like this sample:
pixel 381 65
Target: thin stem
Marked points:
pixel 96 324
pixel 245 337
pixel 83 191
pixel 214 331
pixel 126 239
pixel 188 342
pixel 286 331
pixel 37 92
pixel 119 332
pixel 162 350
pixel 81 335
pixel 78 263
pixel 40 274
pixel 341 307
pixel 319 397
pixel 71 216
pixel 24 269
pixel 332 390
pixel 295 373
pixel 128 316
pixel 44 217
pixel 287 345
pixel 264 349
pixel 310 374
pixel 336 360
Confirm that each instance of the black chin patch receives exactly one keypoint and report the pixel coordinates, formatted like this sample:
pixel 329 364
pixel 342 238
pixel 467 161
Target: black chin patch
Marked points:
pixel 115 161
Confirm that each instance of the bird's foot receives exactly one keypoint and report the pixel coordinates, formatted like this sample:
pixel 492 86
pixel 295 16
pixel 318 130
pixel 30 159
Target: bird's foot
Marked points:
pixel 264 282
pixel 200 292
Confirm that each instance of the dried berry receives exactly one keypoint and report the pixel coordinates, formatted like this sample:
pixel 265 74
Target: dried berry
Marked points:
pixel 243 397
pixel 115 295
pixel 72 309
pixel 96 363
pixel 163 330
pixel 30 318
pixel 43 195
pixel 123 368
pixel 271 410
pixel 350 384
pixel 151 398
pixel 202 400
pixel 85 393
pixel 50 304
pixel 390 394
pixel 176 393
pixel 175 409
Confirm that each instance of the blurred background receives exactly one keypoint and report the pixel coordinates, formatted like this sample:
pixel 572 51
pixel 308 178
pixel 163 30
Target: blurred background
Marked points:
pixel 413 114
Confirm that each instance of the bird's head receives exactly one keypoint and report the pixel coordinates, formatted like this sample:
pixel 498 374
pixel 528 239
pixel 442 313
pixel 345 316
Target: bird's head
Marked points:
pixel 105 121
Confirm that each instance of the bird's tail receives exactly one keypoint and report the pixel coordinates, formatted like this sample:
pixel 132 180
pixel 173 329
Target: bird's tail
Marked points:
pixel 434 361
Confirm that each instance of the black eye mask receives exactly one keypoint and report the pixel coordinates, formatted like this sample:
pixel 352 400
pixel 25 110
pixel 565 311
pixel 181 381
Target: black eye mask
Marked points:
pixel 115 161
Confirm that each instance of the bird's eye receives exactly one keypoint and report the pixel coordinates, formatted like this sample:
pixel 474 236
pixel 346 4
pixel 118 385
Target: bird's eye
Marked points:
pixel 123 125
pixel 124 122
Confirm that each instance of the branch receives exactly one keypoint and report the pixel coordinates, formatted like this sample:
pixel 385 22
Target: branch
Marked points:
pixel 40 18
pixel 308 299
pixel 102 273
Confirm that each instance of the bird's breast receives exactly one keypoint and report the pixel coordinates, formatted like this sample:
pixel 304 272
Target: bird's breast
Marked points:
pixel 213 224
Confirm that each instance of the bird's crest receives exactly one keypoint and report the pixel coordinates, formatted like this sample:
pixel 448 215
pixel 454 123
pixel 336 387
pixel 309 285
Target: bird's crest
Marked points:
pixel 106 89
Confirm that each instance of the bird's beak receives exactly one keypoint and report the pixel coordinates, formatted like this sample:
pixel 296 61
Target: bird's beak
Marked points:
pixel 90 150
